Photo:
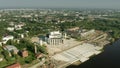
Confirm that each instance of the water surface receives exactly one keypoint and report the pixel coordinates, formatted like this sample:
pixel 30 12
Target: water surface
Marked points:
pixel 110 58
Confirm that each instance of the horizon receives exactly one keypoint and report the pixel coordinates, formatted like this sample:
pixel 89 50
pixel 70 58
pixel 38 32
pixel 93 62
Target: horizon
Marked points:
pixel 69 8
pixel 111 4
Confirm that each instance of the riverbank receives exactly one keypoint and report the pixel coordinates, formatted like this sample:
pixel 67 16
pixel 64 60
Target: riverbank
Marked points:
pixel 79 62
pixel 102 50
pixel 80 53
pixel 109 55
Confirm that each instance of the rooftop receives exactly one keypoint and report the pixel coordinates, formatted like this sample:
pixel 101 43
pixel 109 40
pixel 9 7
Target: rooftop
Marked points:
pixel 55 34
pixel 10 47
pixel 16 65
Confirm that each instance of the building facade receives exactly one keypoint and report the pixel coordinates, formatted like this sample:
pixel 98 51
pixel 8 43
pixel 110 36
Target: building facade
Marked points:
pixel 54 38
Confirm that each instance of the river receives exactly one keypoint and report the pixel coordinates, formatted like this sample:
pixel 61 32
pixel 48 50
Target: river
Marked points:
pixel 110 58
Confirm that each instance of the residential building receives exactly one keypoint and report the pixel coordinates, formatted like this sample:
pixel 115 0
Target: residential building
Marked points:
pixel 24 53
pixel 10 28
pixel 19 26
pixel 6 38
pixel 16 65
pixel 11 48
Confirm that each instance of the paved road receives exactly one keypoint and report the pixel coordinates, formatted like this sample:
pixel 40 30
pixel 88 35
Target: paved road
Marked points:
pixel 38 64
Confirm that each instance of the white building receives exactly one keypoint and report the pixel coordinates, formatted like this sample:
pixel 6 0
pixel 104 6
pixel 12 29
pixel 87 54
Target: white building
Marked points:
pixel 10 48
pixel 6 38
pixel 54 38
pixel 19 26
pixel 10 28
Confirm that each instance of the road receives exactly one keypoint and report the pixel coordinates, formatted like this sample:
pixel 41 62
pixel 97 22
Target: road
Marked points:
pixel 38 64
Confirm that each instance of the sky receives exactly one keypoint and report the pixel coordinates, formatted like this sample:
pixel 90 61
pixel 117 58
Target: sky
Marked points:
pixel 61 3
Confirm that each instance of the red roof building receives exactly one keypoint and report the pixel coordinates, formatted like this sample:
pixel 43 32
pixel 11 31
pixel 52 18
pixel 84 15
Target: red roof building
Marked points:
pixel 16 65
pixel 24 53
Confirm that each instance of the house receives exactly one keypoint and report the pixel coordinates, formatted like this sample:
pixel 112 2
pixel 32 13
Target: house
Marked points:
pixel 24 53
pixel 16 65
pixel 10 28
pixel 6 38
pixel 11 48
pixel 19 26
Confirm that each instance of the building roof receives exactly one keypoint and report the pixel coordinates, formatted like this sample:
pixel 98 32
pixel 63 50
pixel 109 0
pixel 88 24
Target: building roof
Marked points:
pixel 24 53
pixel 10 47
pixel 16 65
pixel 55 34
pixel 8 37
pixel 73 29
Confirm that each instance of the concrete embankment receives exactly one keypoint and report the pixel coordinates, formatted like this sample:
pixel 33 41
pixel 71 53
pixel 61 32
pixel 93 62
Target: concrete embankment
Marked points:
pixel 80 53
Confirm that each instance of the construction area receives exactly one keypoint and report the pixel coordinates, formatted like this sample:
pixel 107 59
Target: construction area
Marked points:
pixel 72 50
pixel 79 53
pixel 65 46
pixel 97 38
